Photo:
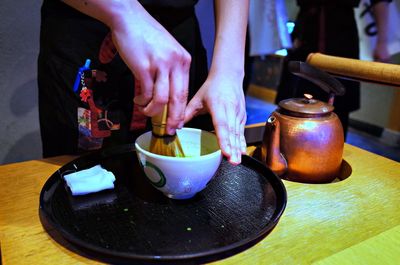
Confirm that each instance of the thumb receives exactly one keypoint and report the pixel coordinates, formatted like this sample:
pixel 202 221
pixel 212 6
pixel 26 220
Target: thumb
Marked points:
pixel 107 50
pixel 194 108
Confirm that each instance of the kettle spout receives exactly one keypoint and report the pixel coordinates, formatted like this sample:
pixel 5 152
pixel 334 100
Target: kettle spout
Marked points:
pixel 270 150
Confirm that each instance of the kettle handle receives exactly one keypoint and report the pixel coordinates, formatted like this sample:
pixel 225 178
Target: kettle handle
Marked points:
pixel 320 78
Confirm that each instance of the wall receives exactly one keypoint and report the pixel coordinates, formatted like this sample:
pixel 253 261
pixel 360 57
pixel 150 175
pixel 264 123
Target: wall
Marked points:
pixel 205 13
pixel 375 104
pixel 19 42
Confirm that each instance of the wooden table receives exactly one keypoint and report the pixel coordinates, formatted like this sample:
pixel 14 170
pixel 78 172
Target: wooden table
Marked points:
pixel 354 221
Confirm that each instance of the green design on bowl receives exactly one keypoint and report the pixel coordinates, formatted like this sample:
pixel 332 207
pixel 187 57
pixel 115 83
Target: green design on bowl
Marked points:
pixel 159 184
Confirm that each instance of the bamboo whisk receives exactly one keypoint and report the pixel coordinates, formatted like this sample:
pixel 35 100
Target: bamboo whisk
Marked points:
pixel 162 143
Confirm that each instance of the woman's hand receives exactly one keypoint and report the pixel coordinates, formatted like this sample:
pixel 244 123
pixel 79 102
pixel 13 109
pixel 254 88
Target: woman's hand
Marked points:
pixel 156 59
pixel 159 62
pixel 222 93
pixel 222 96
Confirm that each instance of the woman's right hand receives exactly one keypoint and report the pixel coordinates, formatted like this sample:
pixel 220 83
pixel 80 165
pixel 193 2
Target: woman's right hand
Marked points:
pixel 152 54
pixel 157 60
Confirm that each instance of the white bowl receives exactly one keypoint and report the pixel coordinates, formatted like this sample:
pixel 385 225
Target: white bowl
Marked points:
pixel 181 177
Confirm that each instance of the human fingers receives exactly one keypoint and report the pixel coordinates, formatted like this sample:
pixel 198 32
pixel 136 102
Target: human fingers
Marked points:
pixel 229 118
pixel 381 53
pixel 107 50
pixel 241 122
pixel 179 78
pixel 143 97
pixel 193 108
pixel 160 94
pixel 222 130
pixel 243 144
pixel 106 56
pixel 233 122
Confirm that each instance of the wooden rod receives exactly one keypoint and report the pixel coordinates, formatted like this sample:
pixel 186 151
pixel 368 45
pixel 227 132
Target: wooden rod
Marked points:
pixel 359 70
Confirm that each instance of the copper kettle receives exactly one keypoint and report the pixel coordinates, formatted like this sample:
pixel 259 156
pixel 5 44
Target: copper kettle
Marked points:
pixel 303 139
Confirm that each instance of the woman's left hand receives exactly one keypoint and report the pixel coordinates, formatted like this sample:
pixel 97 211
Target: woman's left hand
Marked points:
pixel 222 96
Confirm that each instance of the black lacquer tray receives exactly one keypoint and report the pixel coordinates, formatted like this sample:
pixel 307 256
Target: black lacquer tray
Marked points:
pixel 135 223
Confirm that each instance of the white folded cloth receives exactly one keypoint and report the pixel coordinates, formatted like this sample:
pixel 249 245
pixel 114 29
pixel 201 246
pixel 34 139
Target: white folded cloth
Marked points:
pixel 90 180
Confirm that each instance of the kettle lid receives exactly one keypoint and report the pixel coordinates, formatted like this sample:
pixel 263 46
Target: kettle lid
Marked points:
pixel 308 106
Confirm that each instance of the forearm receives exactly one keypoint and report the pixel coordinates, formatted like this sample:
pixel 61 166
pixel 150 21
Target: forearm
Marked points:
pixel 110 12
pixel 381 13
pixel 230 37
